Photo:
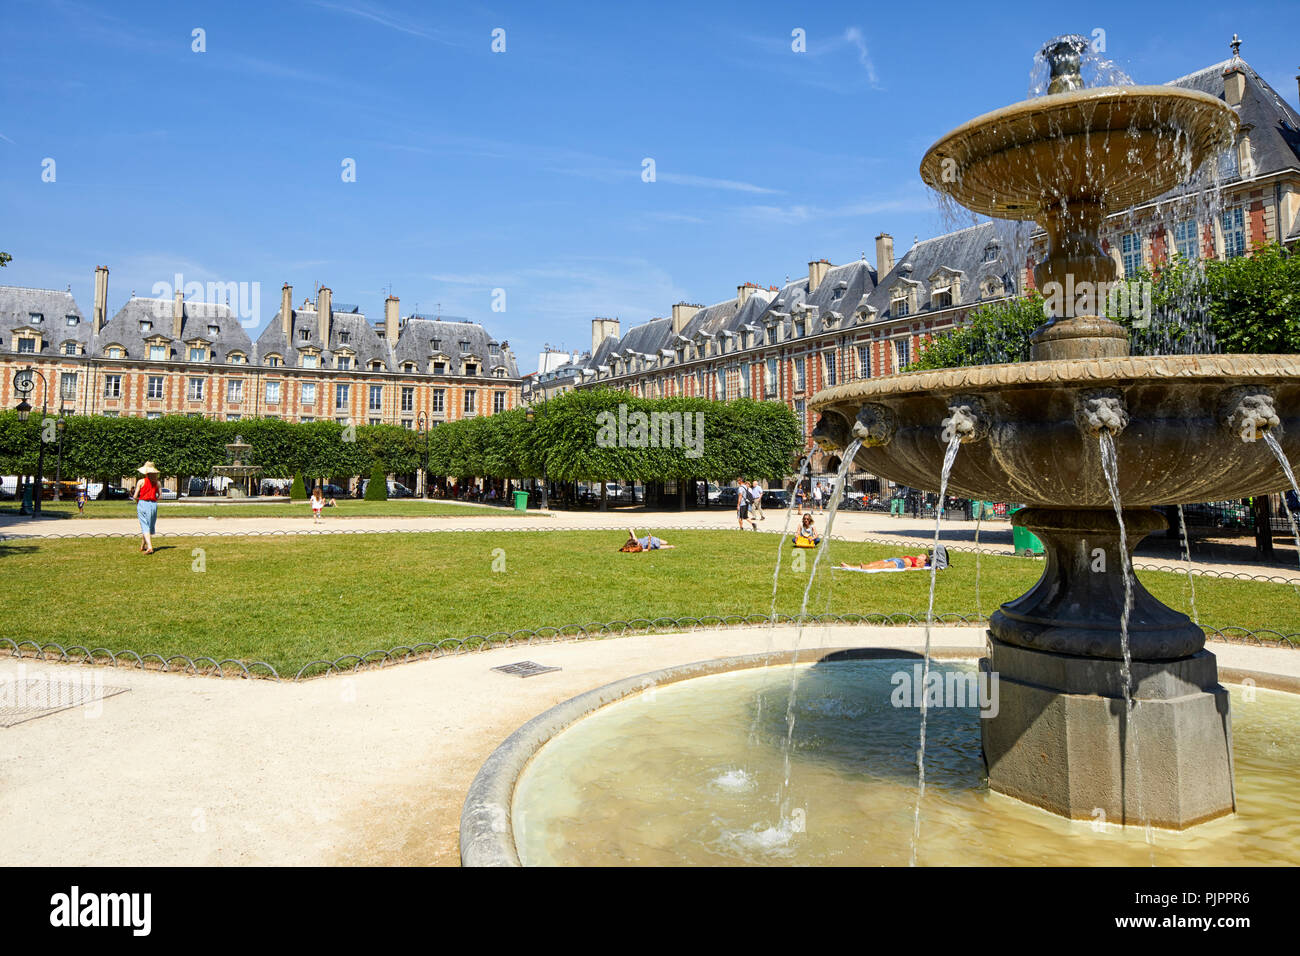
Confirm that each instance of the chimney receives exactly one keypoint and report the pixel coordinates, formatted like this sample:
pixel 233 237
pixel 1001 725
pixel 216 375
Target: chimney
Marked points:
pixel 1234 76
pixel 286 311
pixel 602 329
pixel 682 313
pixel 817 270
pixel 324 312
pixel 884 254
pixel 390 319
pixel 178 314
pixel 100 314
pixel 743 292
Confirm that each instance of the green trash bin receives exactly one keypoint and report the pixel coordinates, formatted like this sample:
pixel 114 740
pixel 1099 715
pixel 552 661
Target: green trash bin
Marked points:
pixel 1025 541
pixel 521 501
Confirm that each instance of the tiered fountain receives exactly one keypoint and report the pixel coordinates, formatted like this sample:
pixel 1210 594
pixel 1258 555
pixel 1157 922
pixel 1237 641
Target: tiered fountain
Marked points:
pixel 238 473
pixel 1098 713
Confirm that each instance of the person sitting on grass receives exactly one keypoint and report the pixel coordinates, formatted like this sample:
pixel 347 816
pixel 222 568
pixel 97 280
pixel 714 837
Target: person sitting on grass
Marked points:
pixel 807 535
pixel 634 544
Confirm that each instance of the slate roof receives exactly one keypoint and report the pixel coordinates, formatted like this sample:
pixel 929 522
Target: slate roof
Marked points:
pixel 17 305
pixel 416 343
pixel 125 329
pixel 1274 124
pixel 964 251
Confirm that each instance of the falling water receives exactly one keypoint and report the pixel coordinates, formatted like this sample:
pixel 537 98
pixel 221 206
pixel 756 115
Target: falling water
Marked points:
pixel 979 516
pixel 1290 476
pixel 789 512
pixel 1187 559
pixel 1110 467
pixel 837 492
pixel 953 444
pixel 1094 68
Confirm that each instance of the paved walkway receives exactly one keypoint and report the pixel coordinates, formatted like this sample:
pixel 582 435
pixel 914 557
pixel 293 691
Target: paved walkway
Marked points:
pixel 365 769
pixel 1221 555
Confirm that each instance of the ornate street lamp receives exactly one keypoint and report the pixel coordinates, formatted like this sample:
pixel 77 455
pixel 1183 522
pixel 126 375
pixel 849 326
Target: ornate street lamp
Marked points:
pixel 24 385
pixel 60 426
pixel 530 416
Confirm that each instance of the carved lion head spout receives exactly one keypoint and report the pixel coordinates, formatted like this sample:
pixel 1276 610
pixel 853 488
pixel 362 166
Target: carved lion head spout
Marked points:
pixel 1248 410
pixel 1101 410
pixel 832 431
pixel 875 425
pixel 967 420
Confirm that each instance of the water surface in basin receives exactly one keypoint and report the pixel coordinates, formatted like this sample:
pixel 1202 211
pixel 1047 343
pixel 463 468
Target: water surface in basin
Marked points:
pixel 689 774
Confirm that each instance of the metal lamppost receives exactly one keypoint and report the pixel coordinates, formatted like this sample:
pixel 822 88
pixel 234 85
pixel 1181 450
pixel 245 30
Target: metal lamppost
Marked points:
pixel 60 426
pixel 530 416
pixel 25 385
pixel 422 423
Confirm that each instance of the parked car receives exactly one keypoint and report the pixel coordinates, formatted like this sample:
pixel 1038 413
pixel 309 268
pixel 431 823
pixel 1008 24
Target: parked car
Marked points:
pixel 776 498
pixel 395 489
pixel 726 497
pixel 98 491
pixel 333 491
pixel 166 494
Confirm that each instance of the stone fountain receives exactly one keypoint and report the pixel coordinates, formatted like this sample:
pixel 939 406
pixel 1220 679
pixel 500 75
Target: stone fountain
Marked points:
pixel 1184 429
pixel 236 470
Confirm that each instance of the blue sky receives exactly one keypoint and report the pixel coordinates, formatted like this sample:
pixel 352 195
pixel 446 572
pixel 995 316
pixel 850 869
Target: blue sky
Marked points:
pixel 520 170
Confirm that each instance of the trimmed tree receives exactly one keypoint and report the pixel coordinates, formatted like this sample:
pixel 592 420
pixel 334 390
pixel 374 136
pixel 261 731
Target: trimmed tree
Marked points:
pixel 298 490
pixel 377 486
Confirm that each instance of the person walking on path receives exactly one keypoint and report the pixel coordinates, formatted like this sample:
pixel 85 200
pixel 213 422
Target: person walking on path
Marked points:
pixel 798 497
pixel 743 502
pixel 817 496
pixel 756 500
pixel 146 505
pixel 317 503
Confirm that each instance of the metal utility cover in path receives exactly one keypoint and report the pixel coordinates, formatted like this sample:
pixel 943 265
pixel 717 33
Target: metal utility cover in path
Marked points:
pixel 525 669
pixel 32 697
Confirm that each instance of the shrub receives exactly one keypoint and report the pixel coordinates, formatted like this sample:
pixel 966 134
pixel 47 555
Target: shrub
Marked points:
pixel 298 490
pixel 377 487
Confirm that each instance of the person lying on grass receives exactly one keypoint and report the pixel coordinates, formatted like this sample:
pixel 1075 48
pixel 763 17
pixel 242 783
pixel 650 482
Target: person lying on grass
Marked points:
pixel 937 558
pixel 634 544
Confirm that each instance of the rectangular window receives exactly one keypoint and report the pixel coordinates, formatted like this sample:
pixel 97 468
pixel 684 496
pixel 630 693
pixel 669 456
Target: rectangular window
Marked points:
pixel 699 383
pixel 744 380
pixel 341 394
pixel 69 348
pixel 471 369
pixel 720 384
pixel 376 397
pixel 1185 239
pixel 235 391
pixel 1131 251
pixel 831 377
pixel 343 362
pixel 273 393
pixel 376 421
pixel 112 386
pixel 68 386
pixel 902 354
pixel 196 354
pixel 195 391
pixel 232 418
pixel 471 402
pixel 498 402
pixel 439 368
pixel 152 415
pixel 772 381
pixel 309 393
pixel 155 387
pixel 438 395
pixel 310 361
pixel 802 415
pixel 26 346
pixel 864 361
pixel 158 353
pixel 899 307
pixel 799 374
pixel 108 414
pixel 72 320
pixel 408 398
pixel 1234 233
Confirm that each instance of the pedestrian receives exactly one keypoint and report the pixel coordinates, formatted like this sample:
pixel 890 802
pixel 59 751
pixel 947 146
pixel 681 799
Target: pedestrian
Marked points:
pixel 317 503
pixel 81 500
pixel 798 497
pixel 756 500
pixel 146 505
pixel 743 502
pixel 817 496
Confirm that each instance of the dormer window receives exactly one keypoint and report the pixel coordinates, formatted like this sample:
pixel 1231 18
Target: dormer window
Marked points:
pixel 990 253
pixel 344 338
pixel 798 328
pixel 992 288
pixel 237 358
pixel 342 362
pixel 158 353
pixel 274 361
pixel 35 318
pixel 146 325
pixel 214 330
pixel 26 345
pixel 899 307
pixel 439 368
pixel 310 360
pixel 198 353
pixel 376 366
pixel 304 335
pixel 73 320
pixel 69 348
pixel 464 345
pixel 437 345
pixel 499 372
pixel 941 299
pixel 408 367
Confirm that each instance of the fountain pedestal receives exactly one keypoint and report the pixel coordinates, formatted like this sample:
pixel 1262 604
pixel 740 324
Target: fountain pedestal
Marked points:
pixel 1061 740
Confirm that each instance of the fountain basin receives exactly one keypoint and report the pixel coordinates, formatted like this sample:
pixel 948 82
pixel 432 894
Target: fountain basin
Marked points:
pixel 673 771
pixel 1115 146
pixel 1184 420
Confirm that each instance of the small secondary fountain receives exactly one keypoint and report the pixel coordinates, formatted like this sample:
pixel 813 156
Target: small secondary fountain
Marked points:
pixel 1184 428
pixel 236 470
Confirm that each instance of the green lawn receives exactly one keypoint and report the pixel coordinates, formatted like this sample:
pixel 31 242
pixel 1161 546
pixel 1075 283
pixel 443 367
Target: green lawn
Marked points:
pixel 294 599
pixel 346 508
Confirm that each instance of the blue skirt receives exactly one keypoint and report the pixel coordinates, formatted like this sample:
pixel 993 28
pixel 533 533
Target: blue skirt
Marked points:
pixel 147 512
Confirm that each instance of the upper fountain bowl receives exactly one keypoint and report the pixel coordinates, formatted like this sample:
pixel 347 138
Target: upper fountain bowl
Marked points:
pixel 1113 146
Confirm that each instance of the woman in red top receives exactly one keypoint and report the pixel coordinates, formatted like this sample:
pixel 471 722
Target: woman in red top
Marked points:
pixel 146 504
